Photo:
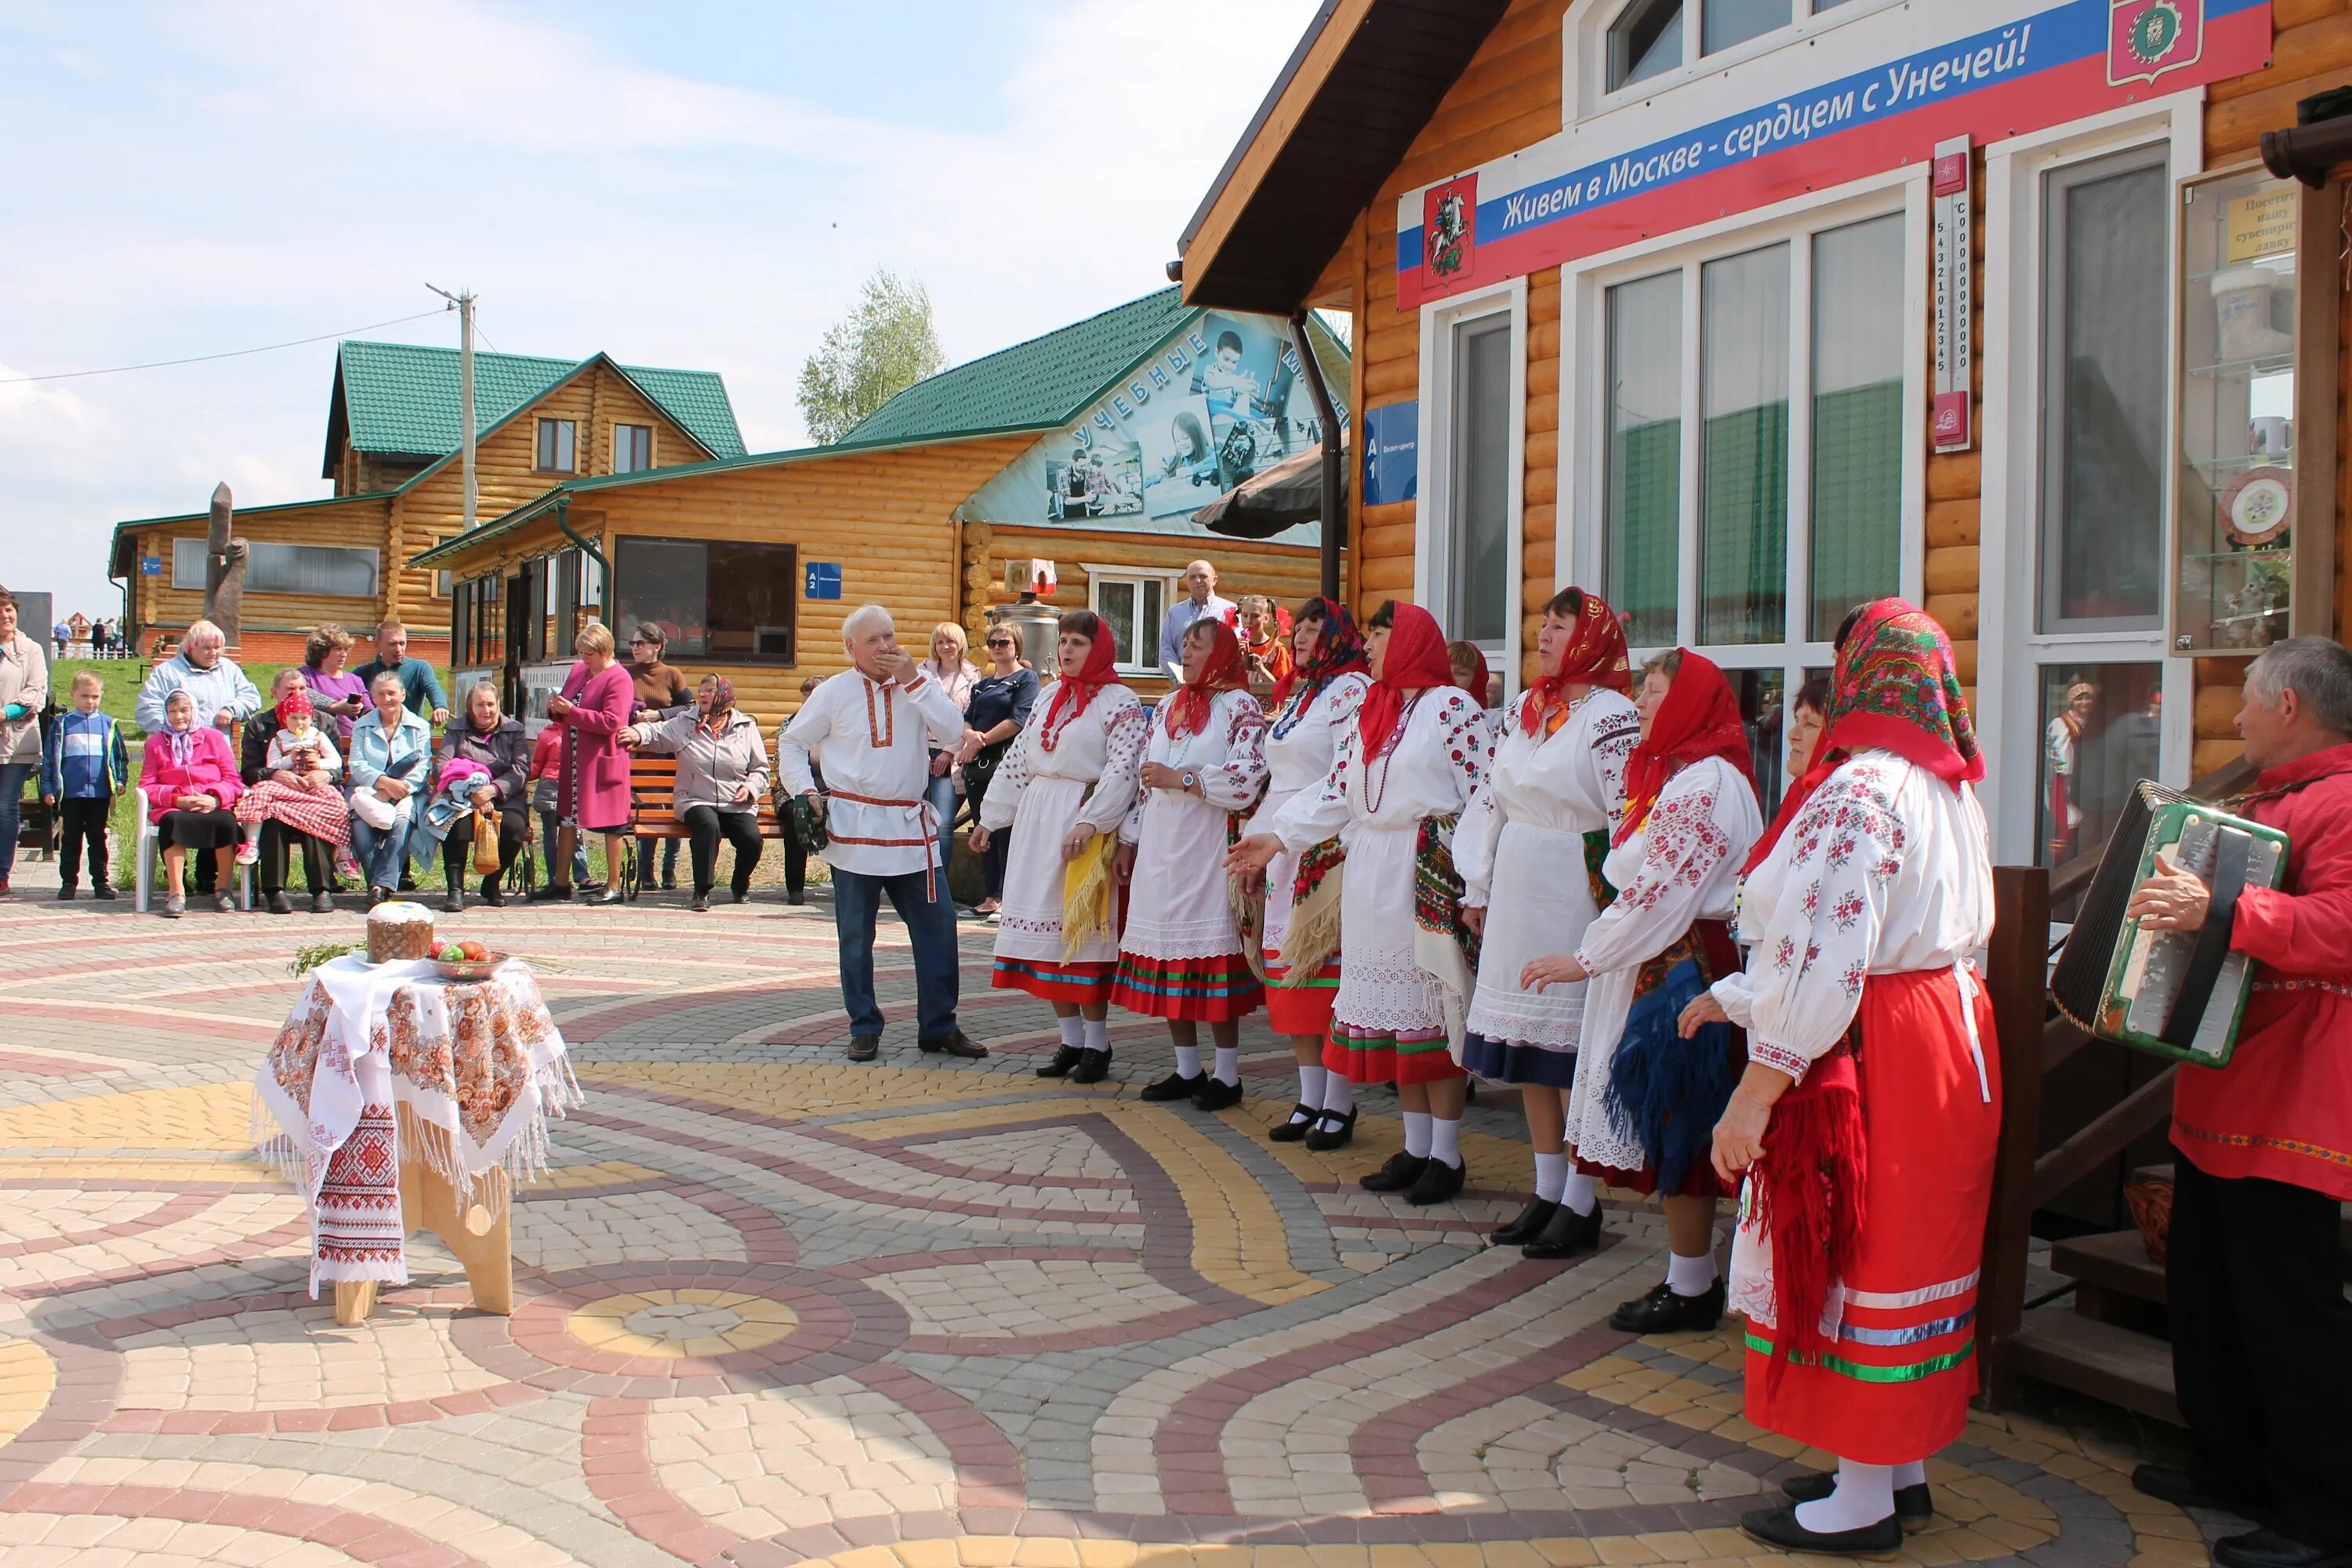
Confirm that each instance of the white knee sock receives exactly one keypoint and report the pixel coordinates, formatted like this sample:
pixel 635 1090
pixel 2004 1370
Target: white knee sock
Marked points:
pixel 1865 1495
pixel 1072 1031
pixel 1446 1140
pixel 1914 1474
pixel 1229 1065
pixel 1097 1033
pixel 1579 1191
pixel 1188 1061
pixel 1690 1276
pixel 1310 1087
pixel 1551 1174
pixel 1416 1133
pixel 1338 1094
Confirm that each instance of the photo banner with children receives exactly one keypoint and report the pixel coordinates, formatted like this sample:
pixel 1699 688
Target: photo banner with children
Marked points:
pixel 1220 400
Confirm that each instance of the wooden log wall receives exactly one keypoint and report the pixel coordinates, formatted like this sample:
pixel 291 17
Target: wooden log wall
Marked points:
pixel 155 603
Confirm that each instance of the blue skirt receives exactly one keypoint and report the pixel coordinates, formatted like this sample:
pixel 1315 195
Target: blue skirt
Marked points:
pixel 1501 1061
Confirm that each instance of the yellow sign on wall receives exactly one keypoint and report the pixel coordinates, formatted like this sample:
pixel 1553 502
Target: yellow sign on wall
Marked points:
pixel 2262 224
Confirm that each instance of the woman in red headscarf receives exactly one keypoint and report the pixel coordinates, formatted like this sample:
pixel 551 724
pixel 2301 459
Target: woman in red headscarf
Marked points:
pixel 1404 775
pixel 1647 1099
pixel 1180 956
pixel 1067 781
pixel 1528 850
pixel 1871 1102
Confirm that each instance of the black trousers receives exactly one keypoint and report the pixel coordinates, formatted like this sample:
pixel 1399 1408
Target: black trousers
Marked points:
pixel 2261 1348
pixel 458 849
pixel 795 862
pixel 82 820
pixel 278 842
pixel 704 824
pixel 1000 851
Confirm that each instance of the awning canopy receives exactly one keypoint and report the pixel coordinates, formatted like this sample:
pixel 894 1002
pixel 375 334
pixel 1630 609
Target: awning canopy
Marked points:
pixel 1275 499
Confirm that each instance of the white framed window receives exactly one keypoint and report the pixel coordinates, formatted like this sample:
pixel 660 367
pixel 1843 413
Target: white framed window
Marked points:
pixel 557 448
pixel 324 571
pixel 1135 604
pixel 1627 52
pixel 1474 431
pixel 633 449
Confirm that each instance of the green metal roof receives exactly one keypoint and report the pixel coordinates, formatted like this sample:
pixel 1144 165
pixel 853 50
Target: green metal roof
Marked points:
pixel 404 397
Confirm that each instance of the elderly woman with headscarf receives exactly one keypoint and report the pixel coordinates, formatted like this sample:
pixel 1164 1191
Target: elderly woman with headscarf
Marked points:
pixel 212 679
pixel 722 777
pixel 1856 1257
pixel 192 783
pixel 1526 852
pixel 1180 953
pixel 487 738
pixel 1401 779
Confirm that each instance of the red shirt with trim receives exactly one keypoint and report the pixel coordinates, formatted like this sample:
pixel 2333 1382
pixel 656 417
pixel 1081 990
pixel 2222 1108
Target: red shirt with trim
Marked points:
pixel 2282 1110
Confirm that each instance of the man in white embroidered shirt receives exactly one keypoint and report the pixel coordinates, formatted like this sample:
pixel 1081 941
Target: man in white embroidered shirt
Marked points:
pixel 872 729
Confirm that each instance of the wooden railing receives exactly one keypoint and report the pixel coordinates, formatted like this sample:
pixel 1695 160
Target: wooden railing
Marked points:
pixel 2034 1041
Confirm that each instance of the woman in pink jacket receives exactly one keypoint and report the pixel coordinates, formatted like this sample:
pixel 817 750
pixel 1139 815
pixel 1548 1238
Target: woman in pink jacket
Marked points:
pixel 191 779
pixel 593 783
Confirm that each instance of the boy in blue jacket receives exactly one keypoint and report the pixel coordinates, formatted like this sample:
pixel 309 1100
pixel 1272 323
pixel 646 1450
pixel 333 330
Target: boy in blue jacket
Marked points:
pixel 83 767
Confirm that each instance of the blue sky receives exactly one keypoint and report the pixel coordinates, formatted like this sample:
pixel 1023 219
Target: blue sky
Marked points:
pixel 689 184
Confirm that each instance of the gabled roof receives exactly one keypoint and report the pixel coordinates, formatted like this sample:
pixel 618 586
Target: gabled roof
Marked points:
pixel 401 399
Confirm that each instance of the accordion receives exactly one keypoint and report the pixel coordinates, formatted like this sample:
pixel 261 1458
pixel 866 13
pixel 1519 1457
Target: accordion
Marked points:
pixel 2174 994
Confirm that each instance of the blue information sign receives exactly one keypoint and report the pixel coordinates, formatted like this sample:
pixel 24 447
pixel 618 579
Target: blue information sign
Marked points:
pixel 1391 455
pixel 151 566
pixel 825 580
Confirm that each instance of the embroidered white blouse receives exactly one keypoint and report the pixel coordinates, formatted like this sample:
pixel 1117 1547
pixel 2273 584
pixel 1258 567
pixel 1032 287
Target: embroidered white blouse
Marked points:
pixel 1571 781
pixel 1432 769
pixel 873 739
pixel 1229 756
pixel 1102 746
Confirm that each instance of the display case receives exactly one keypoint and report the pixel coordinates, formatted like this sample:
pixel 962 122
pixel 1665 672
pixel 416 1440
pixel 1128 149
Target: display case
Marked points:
pixel 2254 526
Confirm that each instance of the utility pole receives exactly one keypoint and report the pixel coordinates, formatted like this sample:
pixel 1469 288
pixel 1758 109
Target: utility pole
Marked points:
pixel 463 303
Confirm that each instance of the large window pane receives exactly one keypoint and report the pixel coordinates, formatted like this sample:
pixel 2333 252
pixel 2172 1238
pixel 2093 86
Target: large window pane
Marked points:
pixel 663 581
pixel 1645 455
pixel 2104 367
pixel 1762 710
pixel 1730 22
pixel 330 571
pixel 1744 448
pixel 2100 731
pixel 1115 602
pixel 1478 566
pixel 1647 42
pixel 753 591
pixel 1857 532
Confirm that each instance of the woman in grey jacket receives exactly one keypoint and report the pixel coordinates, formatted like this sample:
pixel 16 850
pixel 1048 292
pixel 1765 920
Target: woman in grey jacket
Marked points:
pixel 722 777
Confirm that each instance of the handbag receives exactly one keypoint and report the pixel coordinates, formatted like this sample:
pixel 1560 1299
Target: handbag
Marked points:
pixel 486 841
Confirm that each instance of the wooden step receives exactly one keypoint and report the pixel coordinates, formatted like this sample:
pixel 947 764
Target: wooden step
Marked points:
pixel 2115 1364
pixel 2118 1261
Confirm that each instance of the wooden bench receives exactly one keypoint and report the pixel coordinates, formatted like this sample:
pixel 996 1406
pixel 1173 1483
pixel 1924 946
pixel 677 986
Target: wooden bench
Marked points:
pixel 653 800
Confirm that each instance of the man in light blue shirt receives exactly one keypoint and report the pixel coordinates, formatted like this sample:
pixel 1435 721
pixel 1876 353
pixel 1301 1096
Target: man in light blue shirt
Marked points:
pixel 1201 604
pixel 203 669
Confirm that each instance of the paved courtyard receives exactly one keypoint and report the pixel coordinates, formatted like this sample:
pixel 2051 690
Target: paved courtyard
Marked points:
pixel 774 1307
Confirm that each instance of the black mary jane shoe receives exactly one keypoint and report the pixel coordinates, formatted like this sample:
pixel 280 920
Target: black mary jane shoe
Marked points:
pixel 1662 1311
pixel 1175 1085
pixel 1779 1527
pixel 1528 1225
pixel 1438 1183
pixel 1063 1061
pixel 1093 1066
pixel 1301 1122
pixel 1333 1132
pixel 956 1044
pixel 1567 1234
pixel 1217 1095
pixel 1914 1509
pixel 1398 1175
pixel 2266 1548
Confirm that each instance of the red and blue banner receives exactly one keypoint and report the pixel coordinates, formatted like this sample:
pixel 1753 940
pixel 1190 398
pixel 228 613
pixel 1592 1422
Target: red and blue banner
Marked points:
pixel 1626 175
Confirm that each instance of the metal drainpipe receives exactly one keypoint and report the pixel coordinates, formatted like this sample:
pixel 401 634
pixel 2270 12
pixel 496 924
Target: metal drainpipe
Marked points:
pixel 1334 527
pixel 563 525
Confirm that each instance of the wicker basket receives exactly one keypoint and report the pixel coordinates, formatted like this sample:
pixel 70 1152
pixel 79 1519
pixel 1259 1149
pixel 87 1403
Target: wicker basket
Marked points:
pixel 2151 1210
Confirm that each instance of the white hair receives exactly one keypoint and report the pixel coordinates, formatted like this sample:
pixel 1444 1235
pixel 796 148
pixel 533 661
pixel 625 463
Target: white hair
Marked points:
pixel 382 676
pixel 2316 671
pixel 201 632
pixel 862 620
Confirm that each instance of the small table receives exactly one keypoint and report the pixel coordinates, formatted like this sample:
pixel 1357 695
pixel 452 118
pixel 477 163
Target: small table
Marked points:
pixel 405 1101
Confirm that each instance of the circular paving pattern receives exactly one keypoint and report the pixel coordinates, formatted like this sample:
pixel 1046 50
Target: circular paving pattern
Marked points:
pixel 706 1323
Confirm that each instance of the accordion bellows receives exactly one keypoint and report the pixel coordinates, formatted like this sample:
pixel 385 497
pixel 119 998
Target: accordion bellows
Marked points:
pixel 2174 994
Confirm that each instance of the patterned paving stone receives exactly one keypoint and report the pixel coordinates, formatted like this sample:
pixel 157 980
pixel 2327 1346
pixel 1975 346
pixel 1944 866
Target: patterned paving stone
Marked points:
pixel 775 1308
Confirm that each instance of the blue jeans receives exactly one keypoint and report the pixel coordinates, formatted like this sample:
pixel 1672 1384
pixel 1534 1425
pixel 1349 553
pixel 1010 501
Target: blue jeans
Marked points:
pixel 930 928
pixel 550 824
pixel 940 793
pixel 380 850
pixel 12 809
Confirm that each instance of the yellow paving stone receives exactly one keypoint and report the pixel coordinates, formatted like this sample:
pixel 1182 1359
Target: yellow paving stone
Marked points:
pixel 987 1551
pixel 1398 1555
pixel 1511 1554
pixel 1046 1552
pixel 1620 1549
pixel 942 1555
pixel 864 1557
pixel 161 1172
pixel 603 1174
pixel 2164 1527
pixel 1724 1543
pixel 1929 1551
pixel 1112 1554
pixel 1567 1551
pixel 2165 1551
pixel 1674 1545
pixel 208 1116
pixel 2011 1533
pixel 1338 1556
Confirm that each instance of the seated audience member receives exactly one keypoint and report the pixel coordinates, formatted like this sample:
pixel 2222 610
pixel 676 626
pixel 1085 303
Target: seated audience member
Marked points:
pixel 392 752
pixel 192 783
pixel 289 770
pixel 722 777
pixel 223 696
pixel 420 688
pixel 487 738
pixel 335 689
pixel 660 692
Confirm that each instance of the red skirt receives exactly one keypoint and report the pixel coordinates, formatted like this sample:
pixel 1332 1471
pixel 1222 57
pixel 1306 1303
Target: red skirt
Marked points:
pixel 1303 1008
pixel 1366 1056
pixel 1699 1181
pixel 1893 1384
pixel 1187 990
pixel 1085 985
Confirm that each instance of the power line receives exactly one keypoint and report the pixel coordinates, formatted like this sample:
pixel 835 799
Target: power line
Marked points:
pixel 232 353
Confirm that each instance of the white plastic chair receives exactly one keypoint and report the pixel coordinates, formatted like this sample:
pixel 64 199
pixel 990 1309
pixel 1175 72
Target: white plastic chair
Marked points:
pixel 145 856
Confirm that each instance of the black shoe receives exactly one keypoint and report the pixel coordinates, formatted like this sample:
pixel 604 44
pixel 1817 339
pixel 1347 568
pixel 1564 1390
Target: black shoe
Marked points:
pixel 2176 1485
pixel 103 890
pixel 795 896
pixel 1063 1061
pixel 454 901
pixel 552 893
pixel 1302 1122
pixel 1528 1225
pixel 956 1044
pixel 223 903
pixel 407 882
pixel 865 1047
pixel 1175 1085
pixel 494 893
pixel 1333 1132
pixel 1914 1509
pixel 322 903
pixel 279 904
pixel 669 884
pixel 1568 1234
pixel 1438 1183
pixel 740 895
pixel 1664 1312
pixel 1398 1175
pixel 1092 1065
pixel 702 903
pixel 65 892
pixel 1779 1527
pixel 591 885
pixel 1216 1095
pixel 2269 1549
pixel 376 896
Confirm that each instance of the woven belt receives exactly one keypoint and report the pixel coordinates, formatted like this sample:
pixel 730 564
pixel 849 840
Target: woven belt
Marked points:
pixel 929 842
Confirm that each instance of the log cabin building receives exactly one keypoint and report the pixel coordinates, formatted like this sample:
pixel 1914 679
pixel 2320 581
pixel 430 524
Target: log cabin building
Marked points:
pixel 1741 311
pixel 1090 446
pixel 392 451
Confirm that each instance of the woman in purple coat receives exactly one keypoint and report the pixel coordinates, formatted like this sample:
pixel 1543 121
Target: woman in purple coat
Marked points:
pixel 593 783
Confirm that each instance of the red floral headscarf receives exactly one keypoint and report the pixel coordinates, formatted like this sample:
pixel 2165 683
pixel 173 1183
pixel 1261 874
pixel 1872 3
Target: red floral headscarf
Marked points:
pixel 1596 655
pixel 1076 691
pixel 1337 651
pixel 1415 660
pixel 1222 670
pixel 296 701
pixel 1476 684
pixel 1699 718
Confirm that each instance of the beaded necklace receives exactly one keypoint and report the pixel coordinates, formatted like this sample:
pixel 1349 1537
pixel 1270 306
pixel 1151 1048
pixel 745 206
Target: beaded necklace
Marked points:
pixel 1293 714
pixel 1375 793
